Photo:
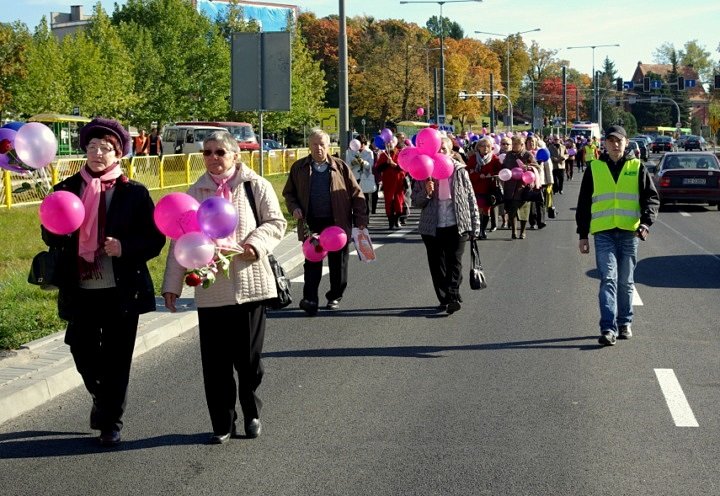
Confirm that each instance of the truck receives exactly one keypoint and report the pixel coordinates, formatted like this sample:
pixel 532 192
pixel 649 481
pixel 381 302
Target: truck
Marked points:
pixel 585 129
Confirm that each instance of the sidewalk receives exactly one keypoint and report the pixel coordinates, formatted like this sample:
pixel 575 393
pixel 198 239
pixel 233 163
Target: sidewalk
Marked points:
pixel 43 369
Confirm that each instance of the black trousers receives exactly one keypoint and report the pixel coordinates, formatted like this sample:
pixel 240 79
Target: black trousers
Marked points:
pixel 337 263
pixel 102 340
pixel 444 253
pixel 231 337
pixel 559 176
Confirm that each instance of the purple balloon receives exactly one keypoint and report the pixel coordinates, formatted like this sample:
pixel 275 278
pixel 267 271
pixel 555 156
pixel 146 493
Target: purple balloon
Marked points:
pixel 217 217
pixel 386 135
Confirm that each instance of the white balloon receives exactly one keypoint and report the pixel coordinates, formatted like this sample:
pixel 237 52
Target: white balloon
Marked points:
pixel 36 145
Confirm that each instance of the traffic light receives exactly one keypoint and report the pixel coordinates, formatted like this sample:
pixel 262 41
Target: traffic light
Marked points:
pixel 681 83
pixel 646 84
pixel 619 84
pixel 717 81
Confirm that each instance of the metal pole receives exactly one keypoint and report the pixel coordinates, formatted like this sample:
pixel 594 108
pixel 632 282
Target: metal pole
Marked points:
pixel 435 93
pixel 441 117
pixel 577 104
pixel 564 82
pixel 427 71
pixel 507 90
pixel 492 103
pixel 261 166
pixel 594 92
pixel 344 130
pixel 532 122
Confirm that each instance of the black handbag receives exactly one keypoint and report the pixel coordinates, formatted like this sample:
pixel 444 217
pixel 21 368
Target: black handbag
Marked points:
pixel 496 194
pixel 43 270
pixel 551 212
pixel 282 281
pixel 477 277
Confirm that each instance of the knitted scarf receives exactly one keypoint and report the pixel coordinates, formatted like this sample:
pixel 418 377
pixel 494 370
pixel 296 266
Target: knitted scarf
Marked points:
pixel 92 230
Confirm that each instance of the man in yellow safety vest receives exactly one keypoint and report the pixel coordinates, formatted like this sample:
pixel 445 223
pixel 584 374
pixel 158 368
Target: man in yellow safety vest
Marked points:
pixel 617 204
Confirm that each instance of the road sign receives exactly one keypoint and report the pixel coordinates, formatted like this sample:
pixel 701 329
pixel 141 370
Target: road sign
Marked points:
pixel 329 119
pixel 656 84
pixel 362 121
pixel 628 85
pixel 690 83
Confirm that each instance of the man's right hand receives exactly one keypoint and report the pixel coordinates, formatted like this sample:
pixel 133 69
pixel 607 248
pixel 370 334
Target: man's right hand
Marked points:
pixel 584 246
pixel 170 299
pixel 297 214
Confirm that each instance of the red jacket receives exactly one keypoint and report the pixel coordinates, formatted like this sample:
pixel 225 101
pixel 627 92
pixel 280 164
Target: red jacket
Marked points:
pixel 482 185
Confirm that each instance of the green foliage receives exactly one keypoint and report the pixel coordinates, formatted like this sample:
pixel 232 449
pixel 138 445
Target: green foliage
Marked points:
pixel 14 43
pixel 450 29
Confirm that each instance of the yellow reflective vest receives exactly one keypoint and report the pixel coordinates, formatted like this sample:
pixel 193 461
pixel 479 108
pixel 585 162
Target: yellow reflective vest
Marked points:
pixel 615 205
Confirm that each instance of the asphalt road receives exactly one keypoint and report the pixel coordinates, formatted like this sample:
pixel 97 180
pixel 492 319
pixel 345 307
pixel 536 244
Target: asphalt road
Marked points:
pixel 510 396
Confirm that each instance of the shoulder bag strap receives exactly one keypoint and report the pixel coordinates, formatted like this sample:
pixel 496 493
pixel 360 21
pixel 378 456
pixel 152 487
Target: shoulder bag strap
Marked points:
pixel 251 199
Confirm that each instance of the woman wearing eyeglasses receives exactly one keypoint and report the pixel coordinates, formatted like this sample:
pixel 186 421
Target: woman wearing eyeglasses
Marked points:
pixel 231 312
pixel 103 280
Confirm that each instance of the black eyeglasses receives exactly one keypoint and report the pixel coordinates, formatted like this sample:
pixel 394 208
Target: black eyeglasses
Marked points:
pixel 219 152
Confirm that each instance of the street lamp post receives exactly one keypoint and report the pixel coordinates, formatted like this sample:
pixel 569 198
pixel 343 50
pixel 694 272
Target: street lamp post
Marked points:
pixel 507 59
pixel 427 69
pixel 594 76
pixel 441 117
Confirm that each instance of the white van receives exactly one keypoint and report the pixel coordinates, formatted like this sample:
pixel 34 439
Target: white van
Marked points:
pixel 586 129
pixel 186 139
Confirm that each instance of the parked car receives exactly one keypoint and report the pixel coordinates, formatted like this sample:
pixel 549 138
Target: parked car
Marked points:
pixel 680 141
pixel 269 144
pixel 644 137
pixel 663 144
pixel 642 146
pixel 695 143
pixel 688 177
pixel 186 139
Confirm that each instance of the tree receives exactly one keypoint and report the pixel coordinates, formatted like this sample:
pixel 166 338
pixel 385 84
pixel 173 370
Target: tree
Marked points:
pixel 190 58
pixel 450 29
pixel 46 85
pixel 14 45
pixel 693 55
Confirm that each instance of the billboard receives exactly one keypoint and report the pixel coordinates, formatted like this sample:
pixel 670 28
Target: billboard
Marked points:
pixel 270 16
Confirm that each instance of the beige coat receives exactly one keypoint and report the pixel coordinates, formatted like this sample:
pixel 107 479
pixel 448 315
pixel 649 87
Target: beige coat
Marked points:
pixel 248 281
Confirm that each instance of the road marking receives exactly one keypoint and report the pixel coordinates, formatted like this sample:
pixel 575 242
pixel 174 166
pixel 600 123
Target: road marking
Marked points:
pixel 684 214
pixel 636 301
pixel 400 233
pixel 679 407
pixel 689 240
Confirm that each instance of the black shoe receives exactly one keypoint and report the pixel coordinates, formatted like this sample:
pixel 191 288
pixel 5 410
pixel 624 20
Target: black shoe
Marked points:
pixel 607 338
pixel 219 438
pixel 253 429
pixel 453 307
pixel 333 304
pixel 542 225
pixel 625 332
pixel 109 438
pixel 483 235
pixel 310 307
pixel 442 307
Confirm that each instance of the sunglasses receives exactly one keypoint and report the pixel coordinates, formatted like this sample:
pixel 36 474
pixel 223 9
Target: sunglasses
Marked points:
pixel 219 152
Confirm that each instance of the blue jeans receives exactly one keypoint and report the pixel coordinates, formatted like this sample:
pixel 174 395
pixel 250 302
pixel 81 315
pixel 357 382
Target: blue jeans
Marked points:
pixel 616 257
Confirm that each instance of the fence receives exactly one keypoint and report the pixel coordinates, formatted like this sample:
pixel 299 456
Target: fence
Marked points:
pixel 168 171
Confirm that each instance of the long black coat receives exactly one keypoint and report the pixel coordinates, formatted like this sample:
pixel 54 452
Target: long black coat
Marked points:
pixel 130 220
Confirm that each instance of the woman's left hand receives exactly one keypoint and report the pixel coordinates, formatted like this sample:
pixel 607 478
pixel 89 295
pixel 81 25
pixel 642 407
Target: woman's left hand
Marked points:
pixel 113 247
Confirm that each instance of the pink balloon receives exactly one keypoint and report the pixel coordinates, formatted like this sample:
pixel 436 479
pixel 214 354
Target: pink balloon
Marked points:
pixel 176 214
pixel 333 238
pixel 421 167
pixel 517 173
pixel 428 141
pixel 406 156
pixel 194 250
pixel 61 212
pixel 443 166
pixel 36 145
pixel 420 111
pixel 217 217
pixel 528 177
pixel 313 250
pixel 505 174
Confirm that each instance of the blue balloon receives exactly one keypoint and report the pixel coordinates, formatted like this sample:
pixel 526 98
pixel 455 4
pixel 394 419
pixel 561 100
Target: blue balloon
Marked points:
pixel 530 133
pixel 14 125
pixel 379 142
pixel 475 138
pixel 542 154
pixel 414 136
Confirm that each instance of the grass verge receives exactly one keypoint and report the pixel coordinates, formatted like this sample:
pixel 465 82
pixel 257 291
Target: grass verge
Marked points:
pixel 27 312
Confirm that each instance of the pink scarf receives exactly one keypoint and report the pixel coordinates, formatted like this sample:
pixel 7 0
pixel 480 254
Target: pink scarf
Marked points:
pixel 94 186
pixel 223 190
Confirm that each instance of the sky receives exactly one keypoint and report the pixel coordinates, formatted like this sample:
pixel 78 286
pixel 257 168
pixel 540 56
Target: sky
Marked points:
pixel 638 27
